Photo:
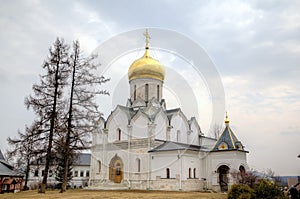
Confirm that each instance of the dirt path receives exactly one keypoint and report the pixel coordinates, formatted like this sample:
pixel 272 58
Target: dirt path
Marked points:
pixel 88 194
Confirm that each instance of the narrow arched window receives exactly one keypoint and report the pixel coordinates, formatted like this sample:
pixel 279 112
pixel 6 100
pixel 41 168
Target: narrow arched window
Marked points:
pixel 119 134
pixel 157 92
pixel 190 175
pixel 99 166
pixel 134 93
pixel 167 173
pixel 146 92
pixel 178 136
pixel 242 170
pixel 138 165
pixel 194 172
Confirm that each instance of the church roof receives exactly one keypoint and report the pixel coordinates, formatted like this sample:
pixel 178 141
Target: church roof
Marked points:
pixel 172 146
pixel 129 111
pixel 80 159
pixel 83 159
pixel 6 169
pixel 228 141
pixel 1 156
pixel 171 112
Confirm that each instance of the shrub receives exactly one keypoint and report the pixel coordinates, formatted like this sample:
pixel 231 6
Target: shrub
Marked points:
pixel 265 189
pixel 240 191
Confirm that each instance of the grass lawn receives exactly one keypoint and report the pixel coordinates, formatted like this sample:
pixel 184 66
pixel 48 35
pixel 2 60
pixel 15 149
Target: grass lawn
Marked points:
pixel 89 194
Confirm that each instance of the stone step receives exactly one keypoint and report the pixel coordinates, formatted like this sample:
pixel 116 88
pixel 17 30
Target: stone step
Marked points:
pixel 108 186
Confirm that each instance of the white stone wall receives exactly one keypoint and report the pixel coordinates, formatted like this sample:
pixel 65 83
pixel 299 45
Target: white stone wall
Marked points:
pixel 161 122
pixel 160 161
pixel 79 181
pixel 130 167
pixel 139 125
pixel 97 134
pixel 232 159
pixel 180 127
pixel 152 174
pixel 207 142
pixel 117 120
pixel 193 162
pixel 194 133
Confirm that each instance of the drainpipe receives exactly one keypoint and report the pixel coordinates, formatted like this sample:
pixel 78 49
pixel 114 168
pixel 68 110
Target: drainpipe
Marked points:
pixel 180 177
pixel 129 127
pixel 151 128
pixel 149 156
pixel 104 153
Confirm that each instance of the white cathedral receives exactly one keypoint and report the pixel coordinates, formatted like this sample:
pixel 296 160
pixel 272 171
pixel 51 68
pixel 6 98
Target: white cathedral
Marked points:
pixel 145 146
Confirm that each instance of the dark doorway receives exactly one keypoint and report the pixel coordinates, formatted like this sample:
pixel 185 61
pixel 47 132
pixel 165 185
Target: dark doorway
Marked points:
pixel 223 177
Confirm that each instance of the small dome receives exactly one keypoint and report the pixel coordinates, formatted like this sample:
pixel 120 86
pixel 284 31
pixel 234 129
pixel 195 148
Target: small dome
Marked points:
pixel 146 67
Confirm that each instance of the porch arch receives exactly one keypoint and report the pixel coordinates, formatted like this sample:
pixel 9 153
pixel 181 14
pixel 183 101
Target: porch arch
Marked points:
pixel 116 169
pixel 223 172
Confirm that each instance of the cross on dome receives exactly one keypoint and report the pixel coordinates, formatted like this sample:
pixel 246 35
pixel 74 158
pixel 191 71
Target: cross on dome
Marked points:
pixel 226 119
pixel 147 37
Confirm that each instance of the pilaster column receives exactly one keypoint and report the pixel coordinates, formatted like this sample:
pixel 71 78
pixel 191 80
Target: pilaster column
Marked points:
pixel 189 133
pixel 168 136
pixel 104 152
pixel 129 163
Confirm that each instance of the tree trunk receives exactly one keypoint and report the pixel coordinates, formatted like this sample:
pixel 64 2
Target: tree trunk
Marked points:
pixel 52 123
pixel 27 173
pixel 69 128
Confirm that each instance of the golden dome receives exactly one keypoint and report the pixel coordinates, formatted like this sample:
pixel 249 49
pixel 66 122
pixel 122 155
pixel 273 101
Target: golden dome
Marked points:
pixel 146 67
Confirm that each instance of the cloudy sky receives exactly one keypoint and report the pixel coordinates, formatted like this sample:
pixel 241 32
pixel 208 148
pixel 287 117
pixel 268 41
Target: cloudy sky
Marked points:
pixel 255 47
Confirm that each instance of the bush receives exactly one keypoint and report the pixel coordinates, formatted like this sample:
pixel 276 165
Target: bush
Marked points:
pixel 240 191
pixel 265 189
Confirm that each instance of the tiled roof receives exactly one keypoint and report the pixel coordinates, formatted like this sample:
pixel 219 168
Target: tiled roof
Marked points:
pixel 171 112
pixel 129 111
pixel 171 146
pixel 83 159
pixel 228 138
pixel 1 155
pixel 6 169
pixel 80 159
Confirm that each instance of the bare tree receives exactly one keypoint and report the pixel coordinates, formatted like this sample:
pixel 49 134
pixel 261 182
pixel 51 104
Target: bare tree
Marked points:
pixel 245 177
pixel 25 148
pixel 216 130
pixel 47 101
pixel 83 111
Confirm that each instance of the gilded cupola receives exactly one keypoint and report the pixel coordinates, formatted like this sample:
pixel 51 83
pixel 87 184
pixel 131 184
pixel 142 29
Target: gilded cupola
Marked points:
pixel 146 66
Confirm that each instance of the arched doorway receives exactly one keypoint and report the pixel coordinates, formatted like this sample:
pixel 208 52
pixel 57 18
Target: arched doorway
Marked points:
pixel 116 169
pixel 242 170
pixel 223 177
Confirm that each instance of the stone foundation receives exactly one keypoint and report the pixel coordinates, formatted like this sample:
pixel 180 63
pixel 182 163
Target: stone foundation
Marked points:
pixel 159 184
